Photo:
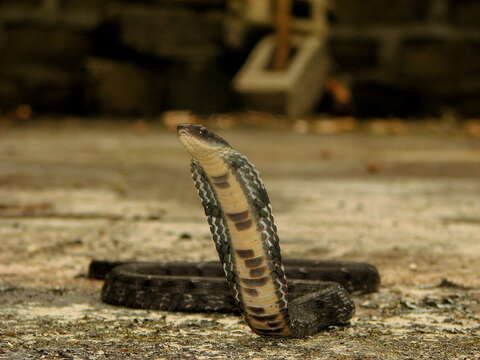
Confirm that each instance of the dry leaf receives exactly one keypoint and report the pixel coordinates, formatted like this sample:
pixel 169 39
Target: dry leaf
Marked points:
pixel 326 127
pixel 472 128
pixel 373 167
pixel 300 126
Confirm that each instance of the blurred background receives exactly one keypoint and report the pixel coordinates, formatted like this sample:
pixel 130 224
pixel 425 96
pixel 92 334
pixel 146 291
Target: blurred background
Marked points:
pixel 141 58
pixel 362 116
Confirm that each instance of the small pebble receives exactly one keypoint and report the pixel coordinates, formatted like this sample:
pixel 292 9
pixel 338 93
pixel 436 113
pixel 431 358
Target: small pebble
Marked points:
pixel 185 236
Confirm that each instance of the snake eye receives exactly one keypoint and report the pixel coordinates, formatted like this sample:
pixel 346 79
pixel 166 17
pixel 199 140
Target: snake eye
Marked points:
pixel 203 131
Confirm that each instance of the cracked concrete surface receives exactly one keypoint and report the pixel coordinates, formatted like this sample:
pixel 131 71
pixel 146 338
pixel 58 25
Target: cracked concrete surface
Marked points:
pixel 70 193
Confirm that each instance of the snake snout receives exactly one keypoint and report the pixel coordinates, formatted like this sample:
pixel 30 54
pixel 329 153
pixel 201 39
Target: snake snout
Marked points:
pixel 183 128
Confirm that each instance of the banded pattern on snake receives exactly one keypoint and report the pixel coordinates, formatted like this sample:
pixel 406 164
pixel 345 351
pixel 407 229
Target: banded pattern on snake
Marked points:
pixel 240 216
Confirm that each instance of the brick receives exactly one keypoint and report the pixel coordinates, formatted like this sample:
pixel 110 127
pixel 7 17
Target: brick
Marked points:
pixel 425 59
pixel 195 4
pixel 465 13
pixel 45 88
pixel 19 9
pixel 438 60
pixel 466 103
pixel 33 75
pixel 86 14
pixel 375 99
pixel 10 93
pixel 75 13
pixel 82 5
pixel 25 11
pixel 176 33
pixel 21 4
pixel 121 88
pixel 381 12
pixel 200 86
pixel 465 56
pixel 354 53
pixel 29 43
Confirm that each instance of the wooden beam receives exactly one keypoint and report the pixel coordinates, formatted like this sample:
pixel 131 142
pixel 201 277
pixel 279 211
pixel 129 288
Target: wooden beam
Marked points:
pixel 283 30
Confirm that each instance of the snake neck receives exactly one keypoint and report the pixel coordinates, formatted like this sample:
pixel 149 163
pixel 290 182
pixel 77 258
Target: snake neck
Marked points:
pixel 242 226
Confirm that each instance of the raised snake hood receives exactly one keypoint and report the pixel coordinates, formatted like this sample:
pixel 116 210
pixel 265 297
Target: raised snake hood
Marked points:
pixel 243 228
pixel 200 142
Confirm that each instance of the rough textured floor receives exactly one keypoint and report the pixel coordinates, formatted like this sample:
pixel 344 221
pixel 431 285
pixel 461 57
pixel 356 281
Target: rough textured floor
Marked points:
pixel 69 193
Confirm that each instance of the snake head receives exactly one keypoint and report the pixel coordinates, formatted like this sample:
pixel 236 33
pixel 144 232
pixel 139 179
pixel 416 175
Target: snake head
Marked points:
pixel 199 141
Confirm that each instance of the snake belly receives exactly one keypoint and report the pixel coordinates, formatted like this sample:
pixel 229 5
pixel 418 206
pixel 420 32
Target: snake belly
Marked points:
pixel 240 216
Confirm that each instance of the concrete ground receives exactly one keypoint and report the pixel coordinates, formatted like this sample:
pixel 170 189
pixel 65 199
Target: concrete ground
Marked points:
pixel 73 192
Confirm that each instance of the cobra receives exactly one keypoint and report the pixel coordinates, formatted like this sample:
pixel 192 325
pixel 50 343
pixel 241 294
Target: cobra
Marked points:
pixel 242 225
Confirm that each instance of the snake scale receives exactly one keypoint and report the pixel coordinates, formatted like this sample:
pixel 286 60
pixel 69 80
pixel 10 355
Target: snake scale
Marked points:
pixel 239 213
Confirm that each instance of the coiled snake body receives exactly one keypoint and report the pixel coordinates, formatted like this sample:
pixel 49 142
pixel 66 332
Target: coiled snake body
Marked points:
pixel 243 229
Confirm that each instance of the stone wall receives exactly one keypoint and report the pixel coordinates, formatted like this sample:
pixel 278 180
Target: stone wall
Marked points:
pixel 113 56
pixel 44 45
pixel 135 57
pixel 409 56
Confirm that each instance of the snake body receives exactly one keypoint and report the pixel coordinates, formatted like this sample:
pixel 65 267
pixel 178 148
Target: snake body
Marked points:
pixel 240 216
pixel 239 213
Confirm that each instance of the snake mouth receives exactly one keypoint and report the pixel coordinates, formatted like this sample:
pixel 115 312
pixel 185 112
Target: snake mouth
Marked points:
pixel 194 145
pixel 193 130
pixel 183 129
pixel 199 141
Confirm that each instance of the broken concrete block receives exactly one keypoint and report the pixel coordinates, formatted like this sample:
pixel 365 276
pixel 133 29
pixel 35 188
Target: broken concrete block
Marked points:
pixel 294 91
